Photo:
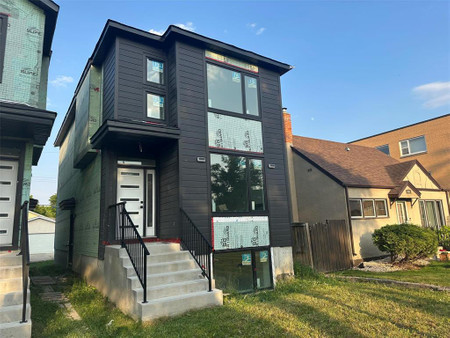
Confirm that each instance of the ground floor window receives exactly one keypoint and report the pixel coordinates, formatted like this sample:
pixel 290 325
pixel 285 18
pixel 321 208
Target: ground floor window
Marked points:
pixel 368 208
pixel 243 271
pixel 431 213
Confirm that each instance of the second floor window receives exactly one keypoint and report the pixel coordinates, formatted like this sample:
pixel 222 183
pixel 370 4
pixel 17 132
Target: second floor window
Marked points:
pixel 232 91
pixel 413 146
pixel 155 71
pixel 155 106
pixel 384 149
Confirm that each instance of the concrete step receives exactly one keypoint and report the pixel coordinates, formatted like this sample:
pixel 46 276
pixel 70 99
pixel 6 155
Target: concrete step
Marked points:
pixel 170 290
pixel 158 258
pixel 10 271
pixel 13 313
pixel 13 298
pixel 10 259
pixel 171 306
pixel 15 330
pixel 11 285
pixel 162 247
pixel 167 278
pixel 164 267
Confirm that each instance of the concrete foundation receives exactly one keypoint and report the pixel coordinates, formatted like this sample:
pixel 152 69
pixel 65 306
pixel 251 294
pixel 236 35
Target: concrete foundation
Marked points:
pixel 282 263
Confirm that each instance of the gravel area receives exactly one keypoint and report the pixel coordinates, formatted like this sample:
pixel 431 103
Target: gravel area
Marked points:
pixel 385 265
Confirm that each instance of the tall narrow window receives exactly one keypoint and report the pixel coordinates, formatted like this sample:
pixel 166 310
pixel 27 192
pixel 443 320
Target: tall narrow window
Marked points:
pixel 256 185
pixel 3 30
pixel 155 71
pixel 155 106
pixel 251 96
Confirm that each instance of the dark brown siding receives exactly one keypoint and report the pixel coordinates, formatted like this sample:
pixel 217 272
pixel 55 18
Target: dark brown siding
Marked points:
pixel 274 153
pixel 109 75
pixel 194 177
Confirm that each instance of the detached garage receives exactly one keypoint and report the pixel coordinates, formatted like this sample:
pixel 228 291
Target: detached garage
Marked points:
pixel 42 235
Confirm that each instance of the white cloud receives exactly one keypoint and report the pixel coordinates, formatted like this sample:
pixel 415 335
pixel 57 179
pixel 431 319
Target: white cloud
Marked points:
pixel 61 81
pixel 189 26
pixel 260 31
pixel 154 31
pixel 253 26
pixel 435 94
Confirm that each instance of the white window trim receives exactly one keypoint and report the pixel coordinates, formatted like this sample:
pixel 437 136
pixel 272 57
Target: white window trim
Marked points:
pixel 385 208
pixel 439 212
pixel 360 205
pixel 409 147
pixel 373 206
pixel 406 211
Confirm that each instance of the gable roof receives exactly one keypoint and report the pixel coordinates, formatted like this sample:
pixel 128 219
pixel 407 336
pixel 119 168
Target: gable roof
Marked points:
pixel 33 216
pixel 353 165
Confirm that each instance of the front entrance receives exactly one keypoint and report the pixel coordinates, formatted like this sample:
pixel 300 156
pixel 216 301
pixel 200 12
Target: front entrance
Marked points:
pixel 8 187
pixel 402 214
pixel 136 187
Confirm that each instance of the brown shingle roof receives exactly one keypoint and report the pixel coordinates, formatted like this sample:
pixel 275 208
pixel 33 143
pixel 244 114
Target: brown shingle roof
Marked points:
pixel 357 166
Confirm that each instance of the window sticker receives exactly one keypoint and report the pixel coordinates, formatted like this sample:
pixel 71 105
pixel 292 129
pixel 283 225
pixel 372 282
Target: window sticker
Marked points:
pixel 158 101
pixel 251 83
pixel 157 66
pixel 236 77
pixel 246 259
pixel 263 256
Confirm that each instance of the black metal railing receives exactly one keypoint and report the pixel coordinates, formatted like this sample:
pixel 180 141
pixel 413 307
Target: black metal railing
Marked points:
pixel 25 252
pixel 196 243
pixel 130 239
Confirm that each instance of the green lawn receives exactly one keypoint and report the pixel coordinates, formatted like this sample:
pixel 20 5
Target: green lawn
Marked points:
pixel 436 273
pixel 312 306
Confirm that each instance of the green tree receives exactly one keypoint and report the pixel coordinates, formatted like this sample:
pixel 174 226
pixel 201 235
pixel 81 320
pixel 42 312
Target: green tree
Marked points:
pixel 47 210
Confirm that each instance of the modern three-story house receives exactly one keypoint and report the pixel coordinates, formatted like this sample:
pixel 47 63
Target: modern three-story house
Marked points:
pixel 26 34
pixel 180 137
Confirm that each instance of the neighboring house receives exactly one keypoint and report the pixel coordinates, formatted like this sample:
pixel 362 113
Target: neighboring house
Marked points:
pixel 41 231
pixel 188 132
pixel 427 141
pixel 364 187
pixel 26 33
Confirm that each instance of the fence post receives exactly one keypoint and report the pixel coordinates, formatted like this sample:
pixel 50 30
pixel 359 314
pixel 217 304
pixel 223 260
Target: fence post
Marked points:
pixel 308 238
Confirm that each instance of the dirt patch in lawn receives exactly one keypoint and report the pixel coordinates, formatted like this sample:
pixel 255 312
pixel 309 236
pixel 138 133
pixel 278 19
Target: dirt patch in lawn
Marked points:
pixel 385 265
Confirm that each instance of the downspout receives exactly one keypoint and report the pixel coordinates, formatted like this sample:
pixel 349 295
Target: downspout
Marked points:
pixel 349 221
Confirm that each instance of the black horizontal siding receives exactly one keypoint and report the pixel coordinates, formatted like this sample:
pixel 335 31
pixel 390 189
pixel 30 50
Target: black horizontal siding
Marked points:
pixel 168 196
pixel 194 177
pixel 274 153
pixel 109 79
pixel 131 78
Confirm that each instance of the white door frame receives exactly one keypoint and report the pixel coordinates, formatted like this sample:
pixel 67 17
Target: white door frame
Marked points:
pixel 402 204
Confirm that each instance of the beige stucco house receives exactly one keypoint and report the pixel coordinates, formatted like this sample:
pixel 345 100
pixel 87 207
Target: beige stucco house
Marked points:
pixel 363 186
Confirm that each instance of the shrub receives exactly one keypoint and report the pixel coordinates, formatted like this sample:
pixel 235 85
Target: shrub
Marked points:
pixel 408 241
pixel 444 237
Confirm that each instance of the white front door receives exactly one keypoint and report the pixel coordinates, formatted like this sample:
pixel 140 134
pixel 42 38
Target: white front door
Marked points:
pixel 402 214
pixel 136 187
pixel 8 187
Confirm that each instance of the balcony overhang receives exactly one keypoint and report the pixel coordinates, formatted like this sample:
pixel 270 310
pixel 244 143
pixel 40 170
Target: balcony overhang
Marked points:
pixel 121 132
pixel 24 123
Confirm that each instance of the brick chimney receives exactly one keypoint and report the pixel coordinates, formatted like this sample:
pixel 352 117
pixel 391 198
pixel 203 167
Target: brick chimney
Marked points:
pixel 287 126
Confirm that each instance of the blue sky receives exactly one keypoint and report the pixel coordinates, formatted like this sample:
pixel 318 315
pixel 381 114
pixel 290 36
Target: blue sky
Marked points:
pixel 361 67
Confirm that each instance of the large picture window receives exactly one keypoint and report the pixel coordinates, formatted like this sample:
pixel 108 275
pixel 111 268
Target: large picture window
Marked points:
pixel 236 184
pixel 232 91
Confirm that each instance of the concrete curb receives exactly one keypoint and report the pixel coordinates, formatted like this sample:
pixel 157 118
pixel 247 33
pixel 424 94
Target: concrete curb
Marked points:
pixel 391 281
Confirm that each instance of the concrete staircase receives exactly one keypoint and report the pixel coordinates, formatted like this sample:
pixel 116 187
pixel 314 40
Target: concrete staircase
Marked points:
pixel 175 283
pixel 11 297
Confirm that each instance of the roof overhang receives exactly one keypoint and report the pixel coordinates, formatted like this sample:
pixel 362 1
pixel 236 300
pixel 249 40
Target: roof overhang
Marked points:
pixel 405 190
pixel 22 122
pixel 51 10
pixel 120 132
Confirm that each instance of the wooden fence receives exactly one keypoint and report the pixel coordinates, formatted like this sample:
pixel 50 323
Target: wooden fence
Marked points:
pixel 323 246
